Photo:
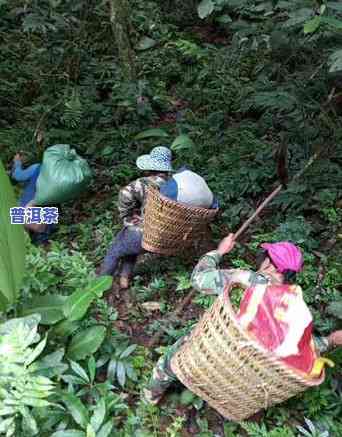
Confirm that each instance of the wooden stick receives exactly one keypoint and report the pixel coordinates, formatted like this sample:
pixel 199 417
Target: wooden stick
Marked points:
pixel 257 211
pixel 268 199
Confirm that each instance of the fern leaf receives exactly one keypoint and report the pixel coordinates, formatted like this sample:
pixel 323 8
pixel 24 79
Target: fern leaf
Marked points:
pixel 270 101
pixel 335 61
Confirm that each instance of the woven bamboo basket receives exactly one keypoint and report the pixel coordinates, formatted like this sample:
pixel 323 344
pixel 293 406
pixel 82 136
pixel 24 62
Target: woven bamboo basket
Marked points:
pixel 170 227
pixel 224 366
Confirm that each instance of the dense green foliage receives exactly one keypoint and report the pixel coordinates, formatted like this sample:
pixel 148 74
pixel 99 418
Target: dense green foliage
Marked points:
pixel 224 82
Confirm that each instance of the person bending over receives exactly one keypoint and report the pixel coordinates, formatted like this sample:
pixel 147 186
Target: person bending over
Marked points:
pixel 276 264
pixel 126 246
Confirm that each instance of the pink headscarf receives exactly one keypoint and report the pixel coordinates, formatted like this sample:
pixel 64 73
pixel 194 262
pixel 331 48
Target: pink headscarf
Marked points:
pixel 285 256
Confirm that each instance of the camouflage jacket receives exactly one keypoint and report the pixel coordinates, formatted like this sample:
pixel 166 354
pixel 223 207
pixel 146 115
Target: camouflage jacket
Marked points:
pixel 132 197
pixel 209 279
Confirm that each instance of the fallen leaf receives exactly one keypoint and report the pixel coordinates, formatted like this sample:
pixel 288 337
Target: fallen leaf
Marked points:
pixel 151 306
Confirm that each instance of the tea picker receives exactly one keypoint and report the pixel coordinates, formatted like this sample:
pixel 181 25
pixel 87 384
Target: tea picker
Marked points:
pixel 123 252
pixel 154 219
pixel 231 360
pixel 61 177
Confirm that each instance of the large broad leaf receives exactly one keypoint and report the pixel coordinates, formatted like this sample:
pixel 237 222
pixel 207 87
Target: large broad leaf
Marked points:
pixel 79 371
pixel 65 328
pixel 146 43
pixel 86 342
pixel 99 415
pixel 92 368
pixel 205 8
pixel 49 306
pixel 298 17
pixel 335 61
pixel 121 373
pixel 224 19
pixel 182 142
pixel 69 433
pixel 51 365
pixel 12 245
pixel 29 423
pixel 111 370
pixel 78 303
pixel 90 431
pixel 149 133
pixel 106 430
pixel 128 351
pixel 76 409
pixel 312 25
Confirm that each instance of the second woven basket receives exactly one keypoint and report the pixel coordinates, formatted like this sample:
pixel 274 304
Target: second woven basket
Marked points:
pixel 221 364
pixel 170 227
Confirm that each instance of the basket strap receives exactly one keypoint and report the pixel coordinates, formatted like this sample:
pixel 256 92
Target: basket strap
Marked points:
pixel 187 234
pixel 226 292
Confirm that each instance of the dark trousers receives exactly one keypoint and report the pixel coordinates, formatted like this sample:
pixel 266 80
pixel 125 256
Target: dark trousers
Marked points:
pixel 126 247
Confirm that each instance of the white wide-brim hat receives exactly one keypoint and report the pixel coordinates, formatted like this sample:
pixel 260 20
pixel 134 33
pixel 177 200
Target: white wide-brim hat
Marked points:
pixel 158 160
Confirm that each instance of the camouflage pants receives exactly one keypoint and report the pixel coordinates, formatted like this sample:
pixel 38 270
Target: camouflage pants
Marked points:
pixel 162 376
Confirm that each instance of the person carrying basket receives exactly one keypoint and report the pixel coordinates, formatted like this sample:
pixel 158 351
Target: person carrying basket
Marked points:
pixel 277 265
pixel 126 246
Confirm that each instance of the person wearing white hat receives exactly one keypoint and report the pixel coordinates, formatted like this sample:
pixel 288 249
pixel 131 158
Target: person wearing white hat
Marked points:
pixel 127 244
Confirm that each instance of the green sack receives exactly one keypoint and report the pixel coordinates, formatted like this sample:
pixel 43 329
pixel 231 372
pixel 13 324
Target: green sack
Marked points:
pixel 63 176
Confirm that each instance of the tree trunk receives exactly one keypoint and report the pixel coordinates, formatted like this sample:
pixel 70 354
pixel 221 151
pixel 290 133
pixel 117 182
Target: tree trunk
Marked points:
pixel 120 19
